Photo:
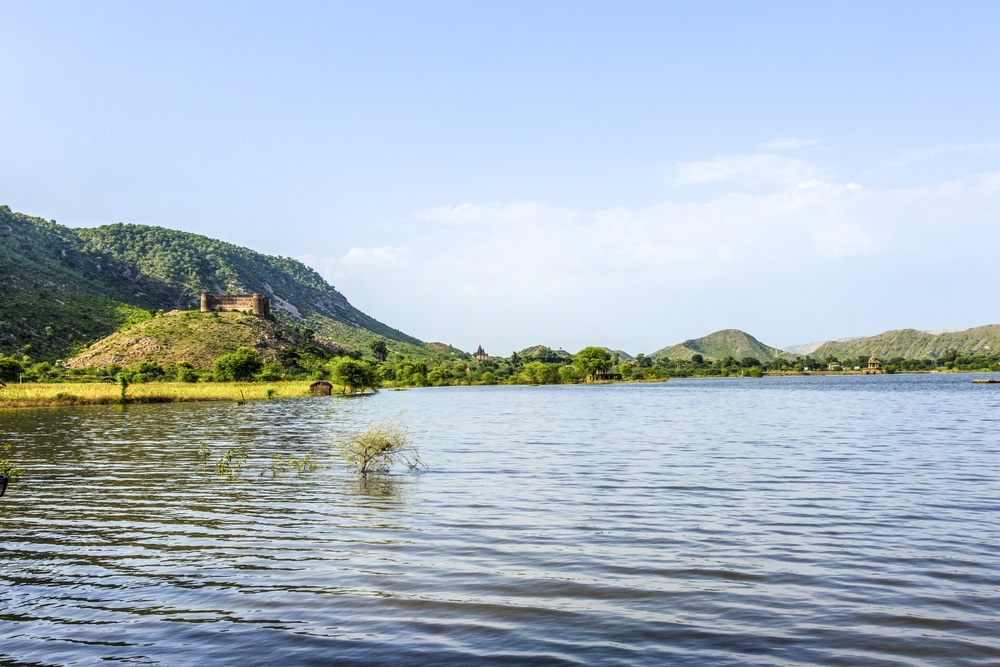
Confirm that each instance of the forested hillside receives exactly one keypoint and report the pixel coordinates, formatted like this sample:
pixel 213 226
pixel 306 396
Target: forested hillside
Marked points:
pixel 719 345
pixel 64 288
pixel 914 344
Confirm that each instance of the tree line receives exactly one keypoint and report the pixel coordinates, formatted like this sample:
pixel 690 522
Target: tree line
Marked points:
pixel 380 367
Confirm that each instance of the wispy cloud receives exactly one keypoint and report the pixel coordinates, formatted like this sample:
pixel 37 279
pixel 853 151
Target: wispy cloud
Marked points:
pixel 744 169
pixel 380 255
pixel 518 213
pixel 789 144
pixel 927 154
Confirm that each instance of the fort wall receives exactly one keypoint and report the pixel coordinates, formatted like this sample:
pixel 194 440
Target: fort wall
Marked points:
pixel 258 304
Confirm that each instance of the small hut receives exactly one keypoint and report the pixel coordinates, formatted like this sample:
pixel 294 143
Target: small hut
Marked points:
pixel 321 388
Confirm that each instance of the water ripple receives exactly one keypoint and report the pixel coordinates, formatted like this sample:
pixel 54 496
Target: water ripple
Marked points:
pixel 834 521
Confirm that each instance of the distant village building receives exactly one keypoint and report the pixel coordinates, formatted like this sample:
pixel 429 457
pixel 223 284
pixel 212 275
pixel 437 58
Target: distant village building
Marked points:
pixel 321 388
pixel 874 366
pixel 258 304
pixel 480 354
pixel 604 377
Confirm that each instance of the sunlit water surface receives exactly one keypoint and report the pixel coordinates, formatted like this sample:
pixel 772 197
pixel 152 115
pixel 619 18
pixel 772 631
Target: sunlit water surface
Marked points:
pixel 779 521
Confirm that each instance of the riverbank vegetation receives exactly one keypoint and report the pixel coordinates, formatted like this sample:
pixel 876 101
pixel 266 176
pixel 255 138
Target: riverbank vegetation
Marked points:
pixel 243 374
pixel 34 394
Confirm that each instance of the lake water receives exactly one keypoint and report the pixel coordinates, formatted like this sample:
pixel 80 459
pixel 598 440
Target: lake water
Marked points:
pixel 837 521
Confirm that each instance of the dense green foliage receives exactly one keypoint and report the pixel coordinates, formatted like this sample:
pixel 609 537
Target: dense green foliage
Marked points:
pixel 240 366
pixel 592 360
pixel 355 375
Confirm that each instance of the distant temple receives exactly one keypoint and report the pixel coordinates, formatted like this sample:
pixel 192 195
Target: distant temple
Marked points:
pixel 480 354
pixel 874 366
pixel 258 304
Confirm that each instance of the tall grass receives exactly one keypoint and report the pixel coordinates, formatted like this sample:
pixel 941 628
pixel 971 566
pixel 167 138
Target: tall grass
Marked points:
pixel 96 393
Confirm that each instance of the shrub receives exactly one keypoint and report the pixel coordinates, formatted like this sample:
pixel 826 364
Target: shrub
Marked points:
pixel 187 375
pixel 270 373
pixel 379 447
pixel 240 366
pixel 8 469
pixel 148 371
pixel 10 369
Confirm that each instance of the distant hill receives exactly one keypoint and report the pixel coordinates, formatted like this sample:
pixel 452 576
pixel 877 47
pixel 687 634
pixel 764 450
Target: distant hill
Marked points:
pixel 719 345
pixel 198 339
pixel 64 288
pixel 546 354
pixel 804 349
pixel 914 344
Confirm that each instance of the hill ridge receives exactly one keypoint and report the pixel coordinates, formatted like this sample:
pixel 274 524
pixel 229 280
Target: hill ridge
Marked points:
pixel 66 288
pixel 720 344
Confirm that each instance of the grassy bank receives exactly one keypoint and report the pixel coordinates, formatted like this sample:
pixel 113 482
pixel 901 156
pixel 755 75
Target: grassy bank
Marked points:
pixel 94 393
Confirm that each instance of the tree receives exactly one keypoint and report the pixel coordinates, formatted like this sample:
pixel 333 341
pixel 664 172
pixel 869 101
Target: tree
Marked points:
pixel 440 376
pixel 697 359
pixel 356 375
pixel 379 350
pixel 240 366
pixel 10 369
pixel 412 373
pixel 539 372
pixel 592 360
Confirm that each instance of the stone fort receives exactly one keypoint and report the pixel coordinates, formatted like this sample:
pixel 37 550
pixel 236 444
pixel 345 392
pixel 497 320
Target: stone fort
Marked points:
pixel 258 304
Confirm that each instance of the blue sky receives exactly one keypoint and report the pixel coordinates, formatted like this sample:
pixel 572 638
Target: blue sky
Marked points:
pixel 563 173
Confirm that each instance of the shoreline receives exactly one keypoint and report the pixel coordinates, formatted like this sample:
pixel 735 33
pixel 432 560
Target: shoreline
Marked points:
pixel 63 394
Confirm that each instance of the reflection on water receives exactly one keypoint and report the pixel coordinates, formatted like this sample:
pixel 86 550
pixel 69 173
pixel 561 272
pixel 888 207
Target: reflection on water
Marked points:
pixel 784 521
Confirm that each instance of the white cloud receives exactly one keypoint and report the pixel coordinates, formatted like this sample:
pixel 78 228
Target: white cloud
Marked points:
pixel 790 143
pixel 745 169
pixel 515 271
pixel 927 154
pixel 380 255
pixel 517 214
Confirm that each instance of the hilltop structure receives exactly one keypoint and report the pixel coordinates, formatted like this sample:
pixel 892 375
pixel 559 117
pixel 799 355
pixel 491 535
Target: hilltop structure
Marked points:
pixel 481 355
pixel 258 304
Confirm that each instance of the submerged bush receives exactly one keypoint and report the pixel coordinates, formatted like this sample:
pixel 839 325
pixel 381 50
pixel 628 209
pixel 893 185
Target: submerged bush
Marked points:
pixel 8 469
pixel 379 447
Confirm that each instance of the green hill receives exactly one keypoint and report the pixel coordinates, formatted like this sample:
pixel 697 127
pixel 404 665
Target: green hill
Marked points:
pixel 545 354
pixel 196 338
pixel 65 288
pixel 719 345
pixel 913 344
